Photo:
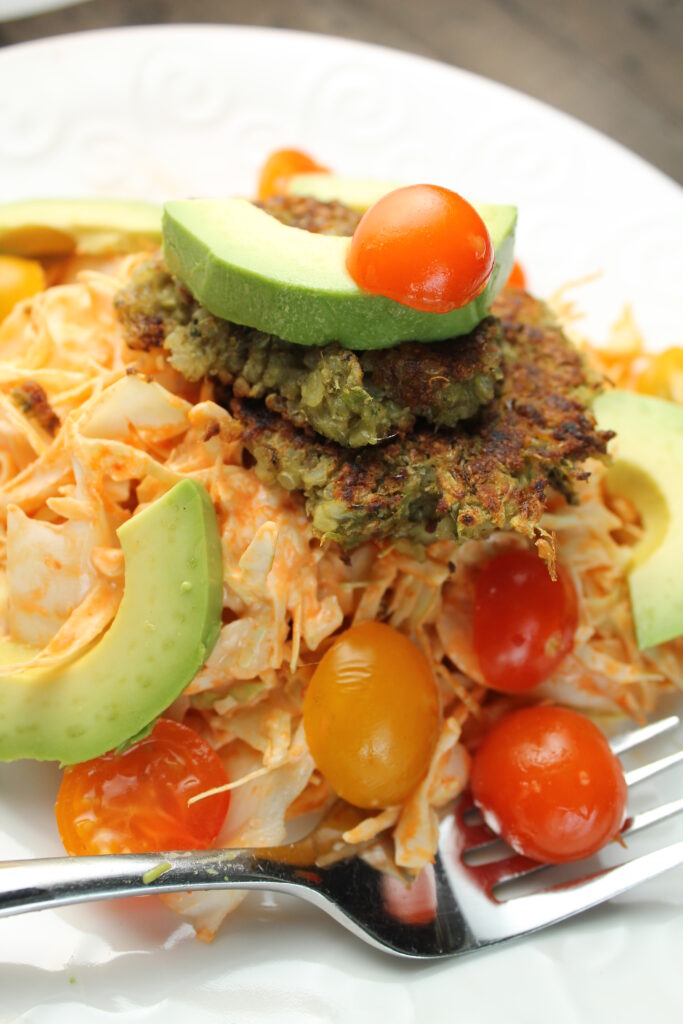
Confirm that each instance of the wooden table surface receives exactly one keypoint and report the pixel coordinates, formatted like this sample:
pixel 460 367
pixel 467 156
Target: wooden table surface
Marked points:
pixel 615 64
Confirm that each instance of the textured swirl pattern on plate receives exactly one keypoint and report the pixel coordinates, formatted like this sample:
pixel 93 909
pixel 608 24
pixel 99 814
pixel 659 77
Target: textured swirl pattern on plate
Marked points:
pixel 25 131
pixel 105 152
pixel 366 108
pixel 177 85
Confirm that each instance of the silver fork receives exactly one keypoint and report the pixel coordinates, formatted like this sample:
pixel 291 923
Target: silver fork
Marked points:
pixel 454 909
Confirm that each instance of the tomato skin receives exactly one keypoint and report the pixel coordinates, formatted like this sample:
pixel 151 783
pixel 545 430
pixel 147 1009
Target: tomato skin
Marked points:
pixel 136 801
pixel 371 715
pixel 546 777
pixel 280 166
pixel 524 623
pixel 423 246
pixel 517 278
pixel 19 279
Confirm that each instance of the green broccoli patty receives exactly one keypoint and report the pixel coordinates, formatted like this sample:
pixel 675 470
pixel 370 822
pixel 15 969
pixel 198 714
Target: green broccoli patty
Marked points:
pixel 491 473
pixel 353 398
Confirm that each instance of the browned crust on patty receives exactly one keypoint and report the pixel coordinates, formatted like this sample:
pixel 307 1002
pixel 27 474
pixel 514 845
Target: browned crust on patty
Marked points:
pixel 443 381
pixel 491 473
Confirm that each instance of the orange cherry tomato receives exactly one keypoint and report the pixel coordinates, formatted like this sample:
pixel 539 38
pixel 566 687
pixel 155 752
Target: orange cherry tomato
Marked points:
pixel 371 715
pixel 19 279
pixel 423 246
pixel 136 801
pixel 524 623
pixel 280 166
pixel 547 781
pixel 517 278
pixel 663 376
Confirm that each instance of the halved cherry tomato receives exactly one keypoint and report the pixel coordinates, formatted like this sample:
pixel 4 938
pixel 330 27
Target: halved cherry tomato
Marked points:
pixel 423 246
pixel 524 623
pixel 517 278
pixel 19 279
pixel 547 781
pixel 137 801
pixel 371 715
pixel 280 166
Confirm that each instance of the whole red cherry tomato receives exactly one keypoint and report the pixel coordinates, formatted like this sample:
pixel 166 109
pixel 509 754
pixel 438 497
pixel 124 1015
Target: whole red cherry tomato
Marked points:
pixel 524 622
pixel 547 781
pixel 423 246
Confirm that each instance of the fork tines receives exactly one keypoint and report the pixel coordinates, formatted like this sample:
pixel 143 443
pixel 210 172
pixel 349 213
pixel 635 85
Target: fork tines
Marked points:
pixel 487 865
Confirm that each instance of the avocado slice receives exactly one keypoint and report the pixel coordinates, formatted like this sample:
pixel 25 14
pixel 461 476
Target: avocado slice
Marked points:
pixel 648 470
pixel 87 227
pixel 245 266
pixel 165 628
pixel 358 193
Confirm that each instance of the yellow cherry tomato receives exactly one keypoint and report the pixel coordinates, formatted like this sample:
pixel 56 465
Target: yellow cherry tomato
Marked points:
pixel 371 715
pixel 19 279
pixel 664 376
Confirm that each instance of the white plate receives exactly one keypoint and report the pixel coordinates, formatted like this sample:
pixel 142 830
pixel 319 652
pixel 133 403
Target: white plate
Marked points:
pixel 186 110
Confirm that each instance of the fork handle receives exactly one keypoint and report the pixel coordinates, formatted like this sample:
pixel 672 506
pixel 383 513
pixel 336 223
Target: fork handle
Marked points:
pixel 27 885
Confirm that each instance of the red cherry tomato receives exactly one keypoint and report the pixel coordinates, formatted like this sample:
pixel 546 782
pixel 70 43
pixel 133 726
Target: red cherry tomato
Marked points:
pixel 548 782
pixel 136 802
pixel 517 278
pixel 280 166
pixel 524 623
pixel 371 715
pixel 423 246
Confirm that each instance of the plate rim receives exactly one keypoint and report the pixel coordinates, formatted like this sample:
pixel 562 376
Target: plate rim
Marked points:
pixel 178 28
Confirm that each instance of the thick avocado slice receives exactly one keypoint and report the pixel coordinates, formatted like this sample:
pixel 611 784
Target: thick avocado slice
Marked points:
pixel 88 227
pixel 165 628
pixel 648 470
pixel 245 266
pixel 358 193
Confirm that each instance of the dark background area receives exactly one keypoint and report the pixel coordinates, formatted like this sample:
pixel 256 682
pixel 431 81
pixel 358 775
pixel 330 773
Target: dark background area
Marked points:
pixel 615 64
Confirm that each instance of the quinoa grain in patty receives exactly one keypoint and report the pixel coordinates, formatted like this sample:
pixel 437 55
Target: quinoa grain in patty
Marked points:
pixel 353 398
pixel 491 473
pixel 310 214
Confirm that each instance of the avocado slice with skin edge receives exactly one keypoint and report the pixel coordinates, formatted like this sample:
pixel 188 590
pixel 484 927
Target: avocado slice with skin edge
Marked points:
pixel 647 469
pixel 83 227
pixel 358 193
pixel 165 628
pixel 245 266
